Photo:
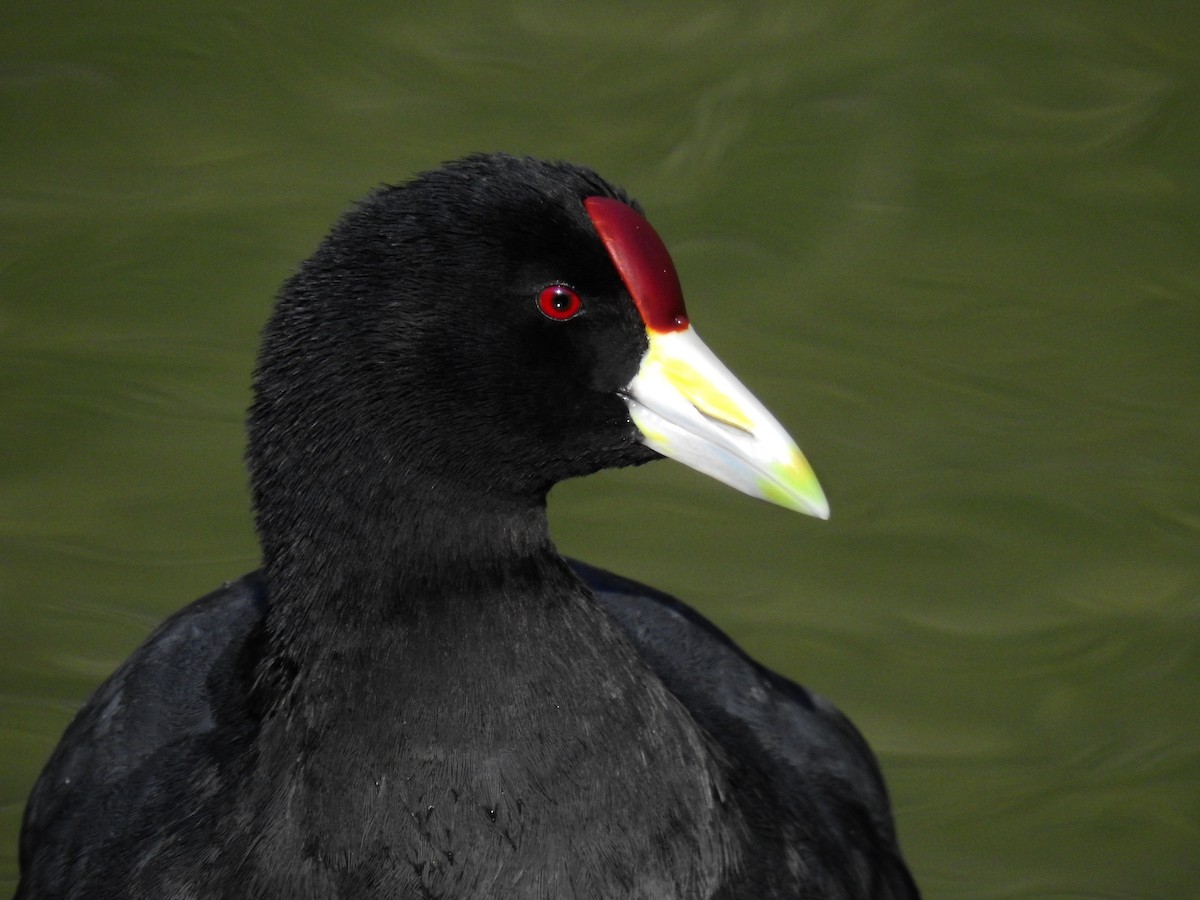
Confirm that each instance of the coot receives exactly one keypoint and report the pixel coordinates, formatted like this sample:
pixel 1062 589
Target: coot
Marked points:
pixel 416 695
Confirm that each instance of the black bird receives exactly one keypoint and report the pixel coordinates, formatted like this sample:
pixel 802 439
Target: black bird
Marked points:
pixel 417 696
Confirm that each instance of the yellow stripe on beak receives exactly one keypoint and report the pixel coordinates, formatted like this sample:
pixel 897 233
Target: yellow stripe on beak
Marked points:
pixel 702 393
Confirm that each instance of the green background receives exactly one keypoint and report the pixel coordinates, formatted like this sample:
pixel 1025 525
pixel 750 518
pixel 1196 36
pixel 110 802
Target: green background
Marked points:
pixel 953 246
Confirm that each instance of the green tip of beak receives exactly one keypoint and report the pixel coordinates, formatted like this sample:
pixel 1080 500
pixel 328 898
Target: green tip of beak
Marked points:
pixel 794 486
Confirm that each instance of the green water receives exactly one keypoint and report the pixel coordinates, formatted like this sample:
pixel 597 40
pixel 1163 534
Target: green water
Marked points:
pixel 955 247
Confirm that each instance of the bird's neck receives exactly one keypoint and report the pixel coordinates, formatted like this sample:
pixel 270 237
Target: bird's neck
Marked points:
pixel 415 561
pixel 476 693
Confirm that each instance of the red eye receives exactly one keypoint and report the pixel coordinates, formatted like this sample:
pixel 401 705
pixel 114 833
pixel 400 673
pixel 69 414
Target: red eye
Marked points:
pixel 559 302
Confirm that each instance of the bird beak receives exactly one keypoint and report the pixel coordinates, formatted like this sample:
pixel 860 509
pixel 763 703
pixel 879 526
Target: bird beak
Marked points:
pixel 686 404
pixel 691 408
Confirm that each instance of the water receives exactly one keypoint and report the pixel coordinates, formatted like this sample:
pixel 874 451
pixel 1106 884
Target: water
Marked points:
pixel 953 247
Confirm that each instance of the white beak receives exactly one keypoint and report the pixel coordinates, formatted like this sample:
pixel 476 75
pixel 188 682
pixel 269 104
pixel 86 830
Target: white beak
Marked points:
pixel 691 408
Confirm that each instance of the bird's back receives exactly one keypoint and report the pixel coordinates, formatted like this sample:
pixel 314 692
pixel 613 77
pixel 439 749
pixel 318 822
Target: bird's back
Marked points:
pixel 142 747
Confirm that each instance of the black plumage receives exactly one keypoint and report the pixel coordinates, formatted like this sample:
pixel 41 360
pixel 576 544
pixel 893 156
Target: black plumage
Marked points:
pixel 417 696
